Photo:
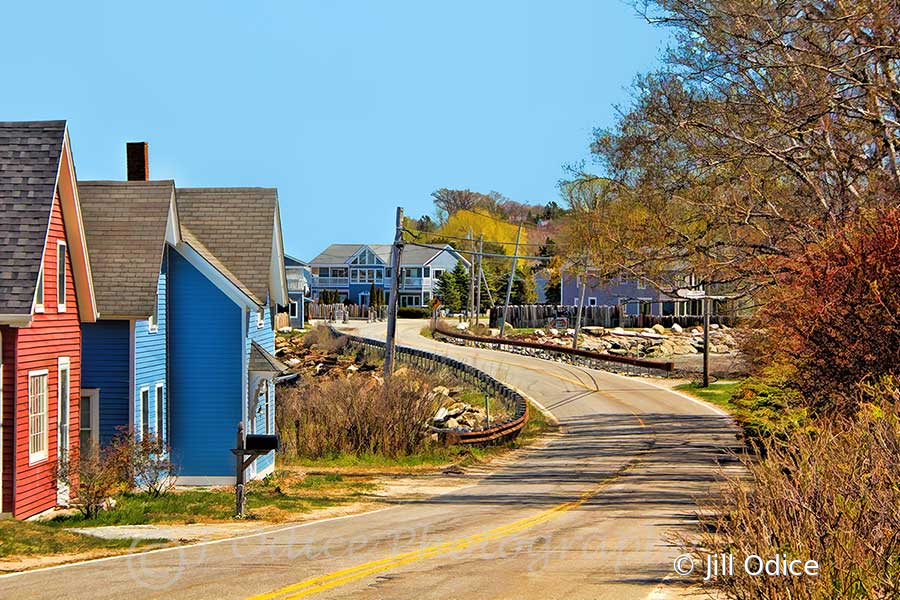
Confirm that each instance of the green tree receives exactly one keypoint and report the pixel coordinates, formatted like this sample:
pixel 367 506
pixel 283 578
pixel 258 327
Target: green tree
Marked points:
pixel 447 291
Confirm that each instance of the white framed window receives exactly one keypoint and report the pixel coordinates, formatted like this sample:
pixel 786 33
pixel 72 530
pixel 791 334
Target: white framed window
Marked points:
pixel 61 276
pixel 268 408
pixel 592 301
pixel 37 416
pixel 89 423
pixel 641 283
pixel 294 309
pixel 160 413
pixel 63 389
pixel 145 412
pixel 260 318
pixel 438 273
pixel 426 272
pixel 39 292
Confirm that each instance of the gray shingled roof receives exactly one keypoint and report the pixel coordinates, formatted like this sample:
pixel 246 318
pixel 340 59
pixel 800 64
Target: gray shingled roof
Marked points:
pixel 125 224
pixel 262 360
pixel 232 228
pixel 29 163
pixel 339 253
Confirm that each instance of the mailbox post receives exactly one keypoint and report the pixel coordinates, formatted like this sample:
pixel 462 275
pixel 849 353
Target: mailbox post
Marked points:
pixel 248 448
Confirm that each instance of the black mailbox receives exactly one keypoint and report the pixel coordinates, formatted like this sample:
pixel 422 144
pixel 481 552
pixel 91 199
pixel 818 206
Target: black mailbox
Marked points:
pixel 255 441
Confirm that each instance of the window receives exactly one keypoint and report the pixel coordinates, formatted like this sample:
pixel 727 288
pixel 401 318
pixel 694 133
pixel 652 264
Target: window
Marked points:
pixel 37 416
pixel 387 272
pixel 61 276
pixel 592 302
pixel 145 412
pixel 153 321
pixel 438 273
pixel 641 284
pixel 39 293
pixel 261 318
pixel 63 399
pixel 89 424
pixel 266 401
pixel 158 404
pixel 294 309
pixel 426 272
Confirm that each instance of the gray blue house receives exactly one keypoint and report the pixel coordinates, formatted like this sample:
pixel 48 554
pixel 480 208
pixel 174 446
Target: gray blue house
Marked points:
pixel 352 269
pixel 130 227
pixel 225 278
pixel 636 295
pixel 299 282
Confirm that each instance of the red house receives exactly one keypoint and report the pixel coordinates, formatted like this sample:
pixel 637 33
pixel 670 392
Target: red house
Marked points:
pixel 45 295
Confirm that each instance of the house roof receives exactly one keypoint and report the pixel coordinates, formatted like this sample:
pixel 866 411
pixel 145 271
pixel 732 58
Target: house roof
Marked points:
pixel 125 223
pixel 262 360
pixel 412 255
pixel 234 230
pixel 30 155
pixel 290 261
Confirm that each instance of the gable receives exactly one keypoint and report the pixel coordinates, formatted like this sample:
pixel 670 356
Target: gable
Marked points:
pixel 365 256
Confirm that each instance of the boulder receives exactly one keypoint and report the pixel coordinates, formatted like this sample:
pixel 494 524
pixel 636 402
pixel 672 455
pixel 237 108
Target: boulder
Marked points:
pixel 462 326
pixel 659 329
pixel 441 390
pixel 441 415
pixel 554 331
pixel 570 332
pixel 677 328
pixel 539 332
pixel 451 424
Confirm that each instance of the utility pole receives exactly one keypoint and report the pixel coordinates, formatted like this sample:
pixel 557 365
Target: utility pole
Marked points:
pixel 478 278
pixel 394 300
pixel 470 305
pixel 580 304
pixel 706 302
pixel 509 284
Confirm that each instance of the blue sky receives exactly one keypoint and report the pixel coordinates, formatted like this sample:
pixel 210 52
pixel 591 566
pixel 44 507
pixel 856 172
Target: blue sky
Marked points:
pixel 348 108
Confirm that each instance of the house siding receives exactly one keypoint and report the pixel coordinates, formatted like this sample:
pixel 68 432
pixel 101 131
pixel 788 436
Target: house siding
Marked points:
pixel 51 335
pixel 8 387
pixel 205 372
pixel 107 367
pixel 150 360
pixel 265 337
pixel 611 293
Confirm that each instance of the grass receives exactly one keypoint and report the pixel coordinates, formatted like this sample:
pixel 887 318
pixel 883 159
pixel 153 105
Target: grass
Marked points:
pixel 719 393
pixel 277 498
pixel 27 538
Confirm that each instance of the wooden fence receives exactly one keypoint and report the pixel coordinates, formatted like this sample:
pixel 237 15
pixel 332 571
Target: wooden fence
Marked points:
pixel 340 312
pixel 548 315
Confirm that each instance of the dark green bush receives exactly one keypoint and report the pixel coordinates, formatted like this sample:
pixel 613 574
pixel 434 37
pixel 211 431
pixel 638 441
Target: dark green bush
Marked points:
pixel 413 312
pixel 768 408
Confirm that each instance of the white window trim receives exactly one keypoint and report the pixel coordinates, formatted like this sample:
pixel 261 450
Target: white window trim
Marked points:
pixel 293 309
pixel 143 417
pixel 63 363
pixel 94 393
pixel 592 301
pixel 39 306
pixel 152 325
pixel 37 457
pixel 61 307
pixel 260 318
pixel 157 402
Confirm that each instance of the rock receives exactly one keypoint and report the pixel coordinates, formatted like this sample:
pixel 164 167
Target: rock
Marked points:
pixel 353 368
pixel 570 332
pixel 659 329
pixel 441 390
pixel 554 331
pixel 714 326
pixel 285 330
pixel 677 328
pixel 452 424
pixel 441 415
pixel 462 326
pixel 539 332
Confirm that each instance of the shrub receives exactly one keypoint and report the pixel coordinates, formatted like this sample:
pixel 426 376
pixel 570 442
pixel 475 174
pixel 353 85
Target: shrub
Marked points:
pixel 831 496
pixel 356 415
pixel 834 312
pixel 768 408
pixel 324 339
pixel 413 312
pixel 147 463
pixel 95 475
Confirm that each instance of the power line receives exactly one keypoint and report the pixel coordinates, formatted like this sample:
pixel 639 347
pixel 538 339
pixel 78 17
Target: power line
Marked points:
pixel 474 253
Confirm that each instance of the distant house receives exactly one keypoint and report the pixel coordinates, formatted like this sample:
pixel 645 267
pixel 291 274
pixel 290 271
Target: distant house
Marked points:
pixel 299 280
pixel 352 269
pixel 45 296
pixel 225 278
pixel 130 226
pixel 634 294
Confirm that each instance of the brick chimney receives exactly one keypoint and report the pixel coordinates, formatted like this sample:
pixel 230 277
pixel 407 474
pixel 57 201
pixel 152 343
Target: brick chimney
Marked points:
pixel 138 165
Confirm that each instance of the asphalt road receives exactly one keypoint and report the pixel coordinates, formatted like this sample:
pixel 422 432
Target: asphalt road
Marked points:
pixel 587 515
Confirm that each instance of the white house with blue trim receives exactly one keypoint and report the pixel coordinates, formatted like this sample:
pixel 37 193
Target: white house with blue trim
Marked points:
pixel 225 279
pixel 130 228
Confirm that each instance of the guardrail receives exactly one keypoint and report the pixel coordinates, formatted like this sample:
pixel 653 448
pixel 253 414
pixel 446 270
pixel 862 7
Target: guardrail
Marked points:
pixel 622 363
pixel 428 361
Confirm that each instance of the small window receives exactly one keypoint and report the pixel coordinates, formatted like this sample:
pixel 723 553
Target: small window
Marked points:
pixel 39 293
pixel 37 416
pixel 61 276
pixel 268 409
pixel 64 400
pixel 387 272
pixel 260 318
pixel 426 272
pixel 153 321
pixel 592 302
pixel 641 284
pixel 294 310
pixel 438 273
pixel 145 413
pixel 158 404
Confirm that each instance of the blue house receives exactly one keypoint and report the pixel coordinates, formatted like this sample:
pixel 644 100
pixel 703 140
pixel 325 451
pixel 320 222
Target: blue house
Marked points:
pixel 130 227
pixel 299 280
pixel 636 295
pixel 225 279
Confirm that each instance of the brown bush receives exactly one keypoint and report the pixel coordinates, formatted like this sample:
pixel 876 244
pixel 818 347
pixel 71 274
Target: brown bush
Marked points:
pixel 356 415
pixel 323 338
pixel 833 497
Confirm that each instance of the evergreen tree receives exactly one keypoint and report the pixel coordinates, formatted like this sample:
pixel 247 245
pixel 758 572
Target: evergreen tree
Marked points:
pixel 447 291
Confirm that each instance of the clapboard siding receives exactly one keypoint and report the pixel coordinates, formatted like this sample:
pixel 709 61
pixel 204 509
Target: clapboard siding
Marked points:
pixel 8 387
pixel 265 337
pixel 205 372
pixel 105 345
pixel 150 358
pixel 51 335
